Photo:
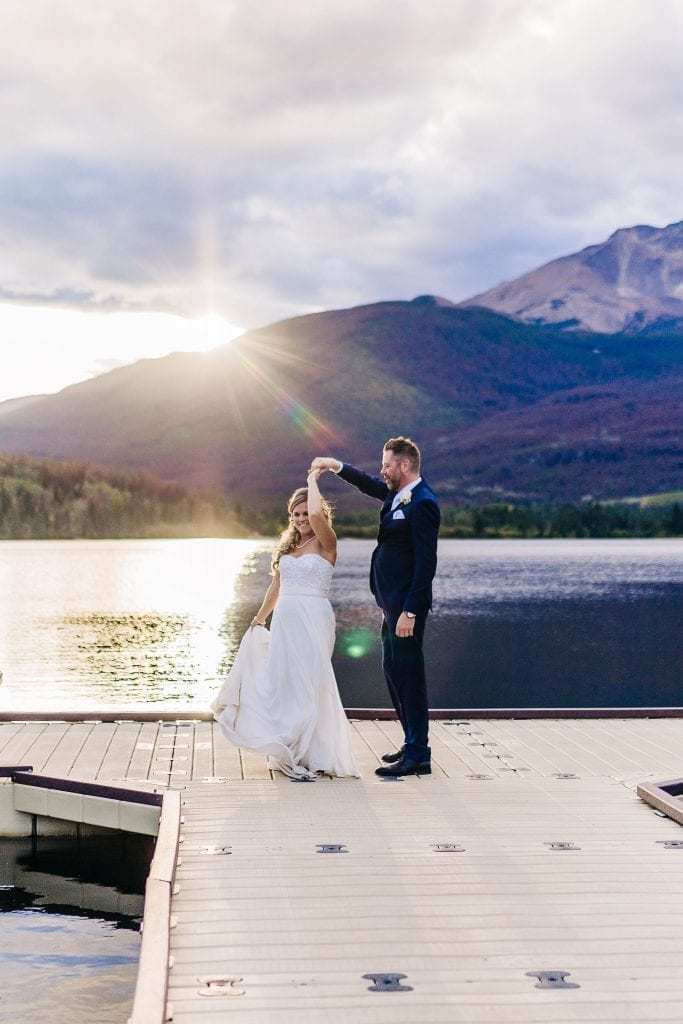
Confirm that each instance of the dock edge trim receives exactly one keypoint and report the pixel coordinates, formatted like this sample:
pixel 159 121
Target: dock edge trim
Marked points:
pixel 151 986
pixel 664 796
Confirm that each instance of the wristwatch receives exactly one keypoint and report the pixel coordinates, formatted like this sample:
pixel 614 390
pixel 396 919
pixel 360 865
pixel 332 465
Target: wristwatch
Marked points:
pixel 409 615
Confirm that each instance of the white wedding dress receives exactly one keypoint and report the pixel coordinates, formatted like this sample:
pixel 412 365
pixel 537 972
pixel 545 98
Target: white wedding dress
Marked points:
pixel 280 697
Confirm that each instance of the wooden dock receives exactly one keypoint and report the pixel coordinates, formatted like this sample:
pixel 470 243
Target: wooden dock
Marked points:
pixel 523 881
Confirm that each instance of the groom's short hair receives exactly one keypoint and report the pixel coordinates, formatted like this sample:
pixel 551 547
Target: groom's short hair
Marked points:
pixel 404 448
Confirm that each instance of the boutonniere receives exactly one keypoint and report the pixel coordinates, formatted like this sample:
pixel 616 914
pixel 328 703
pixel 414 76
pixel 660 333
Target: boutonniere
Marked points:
pixel 407 498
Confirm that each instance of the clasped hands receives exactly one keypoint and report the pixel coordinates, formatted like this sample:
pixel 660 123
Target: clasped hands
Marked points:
pixel 322 463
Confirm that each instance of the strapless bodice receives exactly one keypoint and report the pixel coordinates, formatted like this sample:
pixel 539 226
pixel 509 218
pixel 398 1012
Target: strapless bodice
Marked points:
pixel 305 576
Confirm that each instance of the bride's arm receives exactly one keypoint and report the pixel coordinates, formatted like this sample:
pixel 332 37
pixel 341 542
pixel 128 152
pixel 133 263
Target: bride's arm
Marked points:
pixel 317 518
pixel 269 601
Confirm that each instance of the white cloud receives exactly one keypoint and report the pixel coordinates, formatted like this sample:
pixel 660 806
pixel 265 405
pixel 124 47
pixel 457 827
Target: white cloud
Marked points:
pixel 275 158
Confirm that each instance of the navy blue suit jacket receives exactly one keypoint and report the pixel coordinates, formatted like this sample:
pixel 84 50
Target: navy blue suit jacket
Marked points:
pixel 404 561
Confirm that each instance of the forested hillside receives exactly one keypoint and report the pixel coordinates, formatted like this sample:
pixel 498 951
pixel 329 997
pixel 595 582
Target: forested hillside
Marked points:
pixel 44 499
pixel 49 499
pixel 503 411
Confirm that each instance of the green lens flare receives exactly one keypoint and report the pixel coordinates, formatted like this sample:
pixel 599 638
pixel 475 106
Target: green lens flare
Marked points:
pixel 357 642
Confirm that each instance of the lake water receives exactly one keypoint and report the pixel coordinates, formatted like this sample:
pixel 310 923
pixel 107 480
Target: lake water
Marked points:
pixel 557 623
pixel 116 624
pixel 70 917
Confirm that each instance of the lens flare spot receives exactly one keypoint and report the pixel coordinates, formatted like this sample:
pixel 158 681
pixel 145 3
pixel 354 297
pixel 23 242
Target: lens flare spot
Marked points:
pixel 357 642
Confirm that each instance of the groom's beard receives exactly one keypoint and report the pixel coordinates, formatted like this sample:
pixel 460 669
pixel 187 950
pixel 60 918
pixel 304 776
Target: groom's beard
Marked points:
pixel 393 485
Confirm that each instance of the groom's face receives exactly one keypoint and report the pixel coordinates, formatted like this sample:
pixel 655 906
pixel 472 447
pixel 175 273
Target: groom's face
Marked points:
pixel 391 471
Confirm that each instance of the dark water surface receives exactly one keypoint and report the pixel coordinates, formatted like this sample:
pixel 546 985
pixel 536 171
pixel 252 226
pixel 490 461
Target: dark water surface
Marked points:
pixel 587 623
pixel 549 624
pixel 70 923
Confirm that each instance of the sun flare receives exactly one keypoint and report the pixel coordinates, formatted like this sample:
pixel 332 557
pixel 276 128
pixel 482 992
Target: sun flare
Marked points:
pixel 53 348
pixel 209 331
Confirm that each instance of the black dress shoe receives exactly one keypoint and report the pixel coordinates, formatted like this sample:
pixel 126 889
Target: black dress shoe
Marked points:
pixel 405 766
pixel 393 758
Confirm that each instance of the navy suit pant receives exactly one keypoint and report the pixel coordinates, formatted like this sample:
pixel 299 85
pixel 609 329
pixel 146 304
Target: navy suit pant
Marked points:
pixel 404 671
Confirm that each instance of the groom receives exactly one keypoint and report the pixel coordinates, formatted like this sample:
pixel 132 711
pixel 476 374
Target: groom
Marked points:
pixel 401 573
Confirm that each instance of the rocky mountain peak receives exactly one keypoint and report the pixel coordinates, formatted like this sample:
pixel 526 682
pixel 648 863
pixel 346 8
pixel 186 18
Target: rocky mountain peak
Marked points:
pixel 628 282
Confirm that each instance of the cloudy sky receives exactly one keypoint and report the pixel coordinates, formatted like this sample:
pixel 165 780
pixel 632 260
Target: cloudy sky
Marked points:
pixel 165 161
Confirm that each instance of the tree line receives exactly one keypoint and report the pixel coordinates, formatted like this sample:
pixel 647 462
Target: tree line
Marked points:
pixel 585 519
pixel 588 519
pixel 46 499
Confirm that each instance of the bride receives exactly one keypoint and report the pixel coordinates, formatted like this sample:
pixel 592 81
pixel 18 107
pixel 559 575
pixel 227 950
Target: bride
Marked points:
pixel 280 697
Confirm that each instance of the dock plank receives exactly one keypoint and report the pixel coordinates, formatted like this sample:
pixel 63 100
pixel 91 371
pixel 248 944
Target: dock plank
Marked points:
pixel 88 761
pixel 574 752
pixel 202 752
pixel 654 749
pixel 254 766
pixel 376 740
pixel 226 757
pixel 140 763
pixel 667 733
pixel 21 737
pixel 366 757
pixel 537 754
pixel 69 748
pixel 44 742
pixel 621 758
pixel 117 758
pixel 8 732
pixel 465 742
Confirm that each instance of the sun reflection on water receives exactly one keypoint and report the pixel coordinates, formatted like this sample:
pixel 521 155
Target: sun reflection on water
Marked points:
pixel 131 622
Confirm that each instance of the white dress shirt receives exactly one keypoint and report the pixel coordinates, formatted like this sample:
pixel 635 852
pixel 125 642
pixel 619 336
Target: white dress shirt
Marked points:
pixel 400 495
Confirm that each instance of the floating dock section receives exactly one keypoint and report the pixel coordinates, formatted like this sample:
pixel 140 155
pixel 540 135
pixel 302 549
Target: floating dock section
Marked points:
pixel 535 876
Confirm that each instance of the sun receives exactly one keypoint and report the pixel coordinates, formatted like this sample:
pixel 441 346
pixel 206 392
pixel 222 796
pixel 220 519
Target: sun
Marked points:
pixel 53 348
pixel 152 334
pixel 210 331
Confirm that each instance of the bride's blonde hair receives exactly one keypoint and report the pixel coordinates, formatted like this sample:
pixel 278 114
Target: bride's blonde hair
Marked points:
pixel 290 537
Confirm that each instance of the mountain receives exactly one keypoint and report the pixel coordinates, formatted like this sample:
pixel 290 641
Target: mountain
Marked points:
pixel 632 281
pixel 500 408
